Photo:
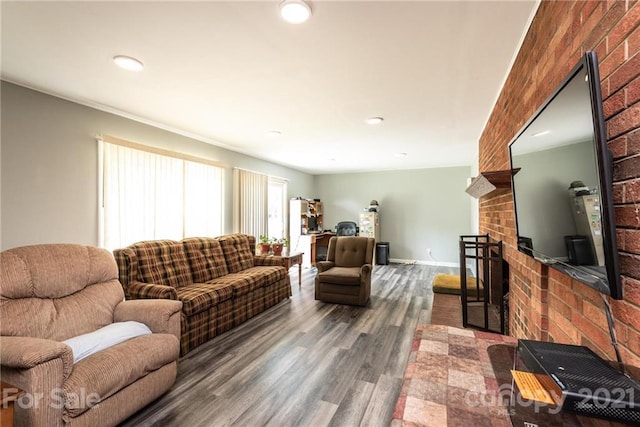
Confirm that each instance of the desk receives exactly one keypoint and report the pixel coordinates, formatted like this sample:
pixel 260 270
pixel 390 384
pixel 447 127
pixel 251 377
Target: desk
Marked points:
pixel 321 246
pixel 291 259
pixel 309 244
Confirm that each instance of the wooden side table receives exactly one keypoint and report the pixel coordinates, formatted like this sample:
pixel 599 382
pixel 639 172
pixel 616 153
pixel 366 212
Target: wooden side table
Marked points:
pixel 9 395
pixel 291 259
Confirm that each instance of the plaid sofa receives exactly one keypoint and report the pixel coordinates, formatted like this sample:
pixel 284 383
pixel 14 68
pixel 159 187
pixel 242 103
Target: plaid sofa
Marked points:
pixel 220 281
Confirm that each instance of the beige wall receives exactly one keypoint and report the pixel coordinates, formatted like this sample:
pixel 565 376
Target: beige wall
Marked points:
pixel 420 210
pixel 49 181
pixel 49 184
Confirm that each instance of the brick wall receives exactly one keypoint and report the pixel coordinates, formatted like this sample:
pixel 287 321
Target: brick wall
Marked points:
pixel 546 304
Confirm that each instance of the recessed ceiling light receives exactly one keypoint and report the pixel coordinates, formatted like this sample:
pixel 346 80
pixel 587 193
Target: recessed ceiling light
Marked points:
pixel 400 154
pixel 274 133
pixel 295 11
pixel 544 132
pixel 374 120
pixel 128 63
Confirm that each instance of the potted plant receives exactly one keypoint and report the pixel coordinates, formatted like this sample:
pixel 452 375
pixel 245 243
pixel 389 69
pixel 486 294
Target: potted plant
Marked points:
pixel 278 244
pixel 264 245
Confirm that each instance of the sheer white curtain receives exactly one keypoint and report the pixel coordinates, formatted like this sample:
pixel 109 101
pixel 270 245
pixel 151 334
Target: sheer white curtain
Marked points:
pixel 148 196
pixel 278 225
pixel 250 202
pixel 202 200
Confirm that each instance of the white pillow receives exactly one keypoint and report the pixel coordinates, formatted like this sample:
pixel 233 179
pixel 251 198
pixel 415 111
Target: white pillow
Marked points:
pixel 115 333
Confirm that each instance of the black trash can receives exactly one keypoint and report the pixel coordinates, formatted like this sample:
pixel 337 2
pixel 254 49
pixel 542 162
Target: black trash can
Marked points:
pixel 382 253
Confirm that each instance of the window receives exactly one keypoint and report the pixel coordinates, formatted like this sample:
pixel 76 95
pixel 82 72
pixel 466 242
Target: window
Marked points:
pixel 277 207
pixel 259 204
pixel 156 195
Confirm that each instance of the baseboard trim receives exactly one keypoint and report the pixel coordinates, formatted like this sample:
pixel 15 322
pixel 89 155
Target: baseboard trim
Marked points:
pixel 422 262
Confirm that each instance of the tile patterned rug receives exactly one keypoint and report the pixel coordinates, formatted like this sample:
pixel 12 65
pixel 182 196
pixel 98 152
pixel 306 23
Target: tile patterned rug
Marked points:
pixel 451 380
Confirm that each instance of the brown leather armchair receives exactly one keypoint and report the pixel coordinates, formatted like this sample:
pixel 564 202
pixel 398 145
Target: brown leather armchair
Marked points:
pixel 345 277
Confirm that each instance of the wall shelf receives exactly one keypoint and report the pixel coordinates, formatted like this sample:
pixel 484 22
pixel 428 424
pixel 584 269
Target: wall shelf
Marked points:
pixel 487 182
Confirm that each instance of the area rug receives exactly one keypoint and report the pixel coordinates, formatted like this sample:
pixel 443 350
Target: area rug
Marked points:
pixel 453 379
pixel 450 284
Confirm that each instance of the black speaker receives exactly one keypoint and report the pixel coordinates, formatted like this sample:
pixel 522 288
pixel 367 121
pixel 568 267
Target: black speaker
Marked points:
pixel 579 250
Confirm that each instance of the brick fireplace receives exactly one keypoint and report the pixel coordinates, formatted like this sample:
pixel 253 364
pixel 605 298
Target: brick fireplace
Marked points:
pixel 545 304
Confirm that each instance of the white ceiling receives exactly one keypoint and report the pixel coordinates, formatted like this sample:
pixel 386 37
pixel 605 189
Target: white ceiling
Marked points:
pixel 228 72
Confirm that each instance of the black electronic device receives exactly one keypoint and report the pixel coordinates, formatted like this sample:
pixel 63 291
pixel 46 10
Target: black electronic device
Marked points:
pixel 579 250
pixel 312 224
pixel 587 384
pixel 564 184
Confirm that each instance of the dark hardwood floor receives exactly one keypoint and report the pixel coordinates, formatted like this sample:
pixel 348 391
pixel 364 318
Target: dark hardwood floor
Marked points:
pixel 304 362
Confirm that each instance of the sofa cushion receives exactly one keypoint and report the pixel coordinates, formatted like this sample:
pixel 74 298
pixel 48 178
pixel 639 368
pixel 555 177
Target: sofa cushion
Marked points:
pixel 202 296
pixel 51 284
pixel 205 258
pixel 240 283
pixel 341 276
pixel 237 252
pixel 352 251
pixel 53 270
pixel 264 275
pixel 105 373
pixel 252 278
pixel 163 262
pixel 59 319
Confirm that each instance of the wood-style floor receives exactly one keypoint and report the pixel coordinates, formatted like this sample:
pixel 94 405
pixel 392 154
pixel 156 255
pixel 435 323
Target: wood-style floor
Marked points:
pixel 304 362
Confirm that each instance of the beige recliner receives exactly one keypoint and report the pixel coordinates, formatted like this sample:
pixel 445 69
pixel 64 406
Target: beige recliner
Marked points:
pixel 53 292
pixel 345 277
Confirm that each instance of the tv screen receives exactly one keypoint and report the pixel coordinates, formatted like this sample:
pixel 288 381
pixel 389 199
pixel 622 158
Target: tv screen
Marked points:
pixel 562 190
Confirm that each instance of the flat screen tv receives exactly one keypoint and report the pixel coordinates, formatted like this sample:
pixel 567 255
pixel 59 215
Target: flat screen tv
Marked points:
pixel 562 183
